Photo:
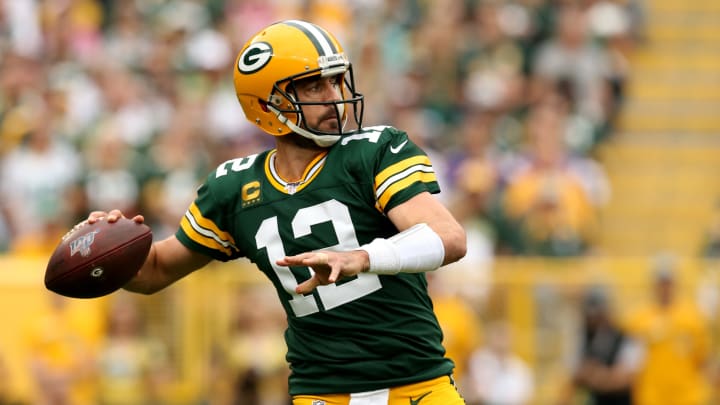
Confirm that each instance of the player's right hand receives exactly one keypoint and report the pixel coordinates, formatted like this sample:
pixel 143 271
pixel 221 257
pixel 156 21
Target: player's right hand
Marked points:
pixel 328 266
pixel 112 216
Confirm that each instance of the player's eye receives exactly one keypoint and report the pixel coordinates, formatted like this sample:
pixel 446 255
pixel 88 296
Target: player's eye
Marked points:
pixel 309 87
pixel 315 87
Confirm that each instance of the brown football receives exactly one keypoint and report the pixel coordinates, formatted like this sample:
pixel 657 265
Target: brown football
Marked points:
pixel 95 260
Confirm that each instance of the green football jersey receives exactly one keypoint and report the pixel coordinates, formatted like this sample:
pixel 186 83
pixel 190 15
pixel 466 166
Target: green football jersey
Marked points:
pixel 361 333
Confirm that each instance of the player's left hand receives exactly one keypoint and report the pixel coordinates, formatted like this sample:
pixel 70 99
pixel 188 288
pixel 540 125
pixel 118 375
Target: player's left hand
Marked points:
pixel 328 267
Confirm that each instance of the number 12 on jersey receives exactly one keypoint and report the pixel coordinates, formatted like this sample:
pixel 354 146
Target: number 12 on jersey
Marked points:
pixel 331 296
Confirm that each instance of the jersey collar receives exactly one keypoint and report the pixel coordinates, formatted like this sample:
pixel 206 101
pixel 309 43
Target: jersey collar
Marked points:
pixel 311 171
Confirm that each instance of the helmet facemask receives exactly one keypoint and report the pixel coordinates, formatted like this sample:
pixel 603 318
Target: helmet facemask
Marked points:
pixel 287 106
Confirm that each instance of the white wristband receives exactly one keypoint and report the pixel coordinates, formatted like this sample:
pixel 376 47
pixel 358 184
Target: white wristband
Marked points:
pixel 414 250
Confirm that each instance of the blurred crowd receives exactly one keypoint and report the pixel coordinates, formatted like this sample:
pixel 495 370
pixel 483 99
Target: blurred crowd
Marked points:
pixel 108 104
pixel 129 104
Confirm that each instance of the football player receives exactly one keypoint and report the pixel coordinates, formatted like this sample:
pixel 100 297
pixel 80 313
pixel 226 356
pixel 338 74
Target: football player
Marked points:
pixel 341 219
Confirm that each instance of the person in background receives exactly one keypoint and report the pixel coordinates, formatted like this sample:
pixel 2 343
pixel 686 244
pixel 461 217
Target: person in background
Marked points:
pixel 496 375
pixel 130 365
pixel 38 184
pixel 546 202
pixel 676 343
pixel 458 317
pixel 607 359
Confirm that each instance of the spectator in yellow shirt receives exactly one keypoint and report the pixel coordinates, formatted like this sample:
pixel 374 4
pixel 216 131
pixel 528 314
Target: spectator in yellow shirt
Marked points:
pixel 676 343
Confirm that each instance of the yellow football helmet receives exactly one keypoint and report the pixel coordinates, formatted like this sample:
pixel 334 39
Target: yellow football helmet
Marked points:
pixel 275 58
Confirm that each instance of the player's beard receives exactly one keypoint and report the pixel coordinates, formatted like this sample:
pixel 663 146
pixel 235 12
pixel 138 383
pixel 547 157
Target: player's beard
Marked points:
pixel 329 120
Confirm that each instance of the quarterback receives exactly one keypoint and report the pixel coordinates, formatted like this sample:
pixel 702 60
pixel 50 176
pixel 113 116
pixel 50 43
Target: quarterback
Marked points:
pixel 339 217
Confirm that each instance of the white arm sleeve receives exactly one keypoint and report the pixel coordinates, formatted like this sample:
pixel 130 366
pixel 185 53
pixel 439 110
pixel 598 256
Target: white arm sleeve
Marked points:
pixel 414 250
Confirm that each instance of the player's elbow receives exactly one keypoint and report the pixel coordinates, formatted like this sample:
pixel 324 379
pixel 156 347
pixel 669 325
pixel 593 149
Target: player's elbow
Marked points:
pixel 455 242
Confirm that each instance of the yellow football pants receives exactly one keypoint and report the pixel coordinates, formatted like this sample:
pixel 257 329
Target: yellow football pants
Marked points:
pixel 438 391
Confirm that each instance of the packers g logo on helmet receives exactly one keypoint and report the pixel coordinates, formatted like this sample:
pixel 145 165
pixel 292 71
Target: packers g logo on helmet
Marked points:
pixel 255 57
pixel 279 56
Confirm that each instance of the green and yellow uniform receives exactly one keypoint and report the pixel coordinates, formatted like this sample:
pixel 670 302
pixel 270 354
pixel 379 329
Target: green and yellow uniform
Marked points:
pixel 362 333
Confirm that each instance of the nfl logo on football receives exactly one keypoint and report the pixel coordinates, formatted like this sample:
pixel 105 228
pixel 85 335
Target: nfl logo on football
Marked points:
pixel 82 244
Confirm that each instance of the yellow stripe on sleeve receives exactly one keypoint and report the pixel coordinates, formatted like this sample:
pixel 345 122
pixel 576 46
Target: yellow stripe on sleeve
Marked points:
pixel 424 177
pixel 399 167
pixel 201 239
pixel 204 232
pixel 209 224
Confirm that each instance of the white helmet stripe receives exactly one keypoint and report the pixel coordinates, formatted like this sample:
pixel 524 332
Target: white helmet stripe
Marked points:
pixel 317 36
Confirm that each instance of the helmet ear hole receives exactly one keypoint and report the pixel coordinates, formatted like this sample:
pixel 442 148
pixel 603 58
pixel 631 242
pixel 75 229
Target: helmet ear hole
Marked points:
pixel 263 105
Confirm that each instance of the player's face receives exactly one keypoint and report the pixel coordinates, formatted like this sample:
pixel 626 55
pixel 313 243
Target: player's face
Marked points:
pixel 321 117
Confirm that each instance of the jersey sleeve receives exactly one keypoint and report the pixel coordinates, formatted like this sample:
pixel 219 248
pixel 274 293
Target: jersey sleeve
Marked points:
pixel 403 171
pixel 203 230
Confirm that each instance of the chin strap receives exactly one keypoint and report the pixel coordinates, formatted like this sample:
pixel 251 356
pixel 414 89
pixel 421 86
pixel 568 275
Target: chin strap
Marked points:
pixel 323 141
